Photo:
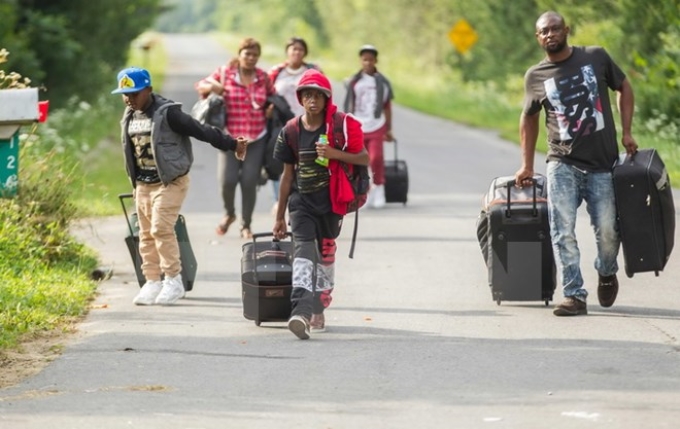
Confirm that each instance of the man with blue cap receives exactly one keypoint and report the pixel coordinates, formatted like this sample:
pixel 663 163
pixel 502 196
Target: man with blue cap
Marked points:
pixel 158 157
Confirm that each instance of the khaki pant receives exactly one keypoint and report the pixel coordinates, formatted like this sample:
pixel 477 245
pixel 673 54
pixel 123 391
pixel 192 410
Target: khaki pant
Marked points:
pixel 157 209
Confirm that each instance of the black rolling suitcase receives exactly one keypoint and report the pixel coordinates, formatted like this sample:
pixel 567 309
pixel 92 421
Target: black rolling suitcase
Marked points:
pixel 186 253
pixel 514 235
pixel 646 213
pixel 396 179
pixel 267 279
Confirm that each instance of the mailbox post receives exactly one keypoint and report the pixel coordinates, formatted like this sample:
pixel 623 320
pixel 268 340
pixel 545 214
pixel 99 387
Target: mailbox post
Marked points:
pixel 17 107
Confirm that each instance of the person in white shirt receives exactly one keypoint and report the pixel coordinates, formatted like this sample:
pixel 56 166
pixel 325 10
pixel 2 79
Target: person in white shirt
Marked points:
pixel 286 77
pixel 368 98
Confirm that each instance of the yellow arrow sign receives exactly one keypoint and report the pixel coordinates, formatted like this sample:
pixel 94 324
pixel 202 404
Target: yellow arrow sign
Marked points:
pixel 462 36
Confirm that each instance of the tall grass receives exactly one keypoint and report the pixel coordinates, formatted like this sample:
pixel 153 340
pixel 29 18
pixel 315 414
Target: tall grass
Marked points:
pixel 43 270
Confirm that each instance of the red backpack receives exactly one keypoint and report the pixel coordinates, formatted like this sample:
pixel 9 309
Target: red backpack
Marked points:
pixel 357 175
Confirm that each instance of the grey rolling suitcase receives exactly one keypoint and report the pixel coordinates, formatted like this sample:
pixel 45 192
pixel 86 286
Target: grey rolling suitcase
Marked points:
pixel 186 253
pixel 514 235
pixel 646 212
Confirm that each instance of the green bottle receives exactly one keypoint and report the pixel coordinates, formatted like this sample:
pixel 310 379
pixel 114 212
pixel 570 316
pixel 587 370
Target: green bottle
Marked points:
pixel 323 139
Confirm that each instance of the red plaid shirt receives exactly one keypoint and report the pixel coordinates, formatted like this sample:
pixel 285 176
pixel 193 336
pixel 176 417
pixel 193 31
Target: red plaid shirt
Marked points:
pixel 245 104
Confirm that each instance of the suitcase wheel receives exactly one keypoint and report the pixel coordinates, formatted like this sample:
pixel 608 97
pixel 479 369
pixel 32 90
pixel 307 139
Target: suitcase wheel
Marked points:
pixel 498 301
pixel 258 323
pixel 629 274
pixel 547 302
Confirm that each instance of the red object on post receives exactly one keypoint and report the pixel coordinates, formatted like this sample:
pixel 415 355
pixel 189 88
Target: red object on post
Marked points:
pixel 43 108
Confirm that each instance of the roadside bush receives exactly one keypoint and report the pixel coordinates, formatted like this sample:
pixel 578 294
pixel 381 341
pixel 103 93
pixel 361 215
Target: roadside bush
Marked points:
pixel 43 270
pixel 658 97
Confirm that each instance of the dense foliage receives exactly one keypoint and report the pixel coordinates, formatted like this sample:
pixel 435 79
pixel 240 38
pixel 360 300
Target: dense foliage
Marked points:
pixel 642 36
pixel 72 47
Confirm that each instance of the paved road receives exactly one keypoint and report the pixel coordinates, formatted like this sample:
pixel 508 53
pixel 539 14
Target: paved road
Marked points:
pixel 415 339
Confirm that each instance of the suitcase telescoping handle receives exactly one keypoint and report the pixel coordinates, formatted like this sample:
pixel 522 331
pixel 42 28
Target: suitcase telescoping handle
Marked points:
pixel 268 234
pixel 509 186
pixel 262 235
pixel 122 198
pixel 396 157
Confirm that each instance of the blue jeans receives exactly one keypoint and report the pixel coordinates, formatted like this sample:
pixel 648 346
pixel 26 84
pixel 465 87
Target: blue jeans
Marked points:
pixel 276 184
pixel 567 188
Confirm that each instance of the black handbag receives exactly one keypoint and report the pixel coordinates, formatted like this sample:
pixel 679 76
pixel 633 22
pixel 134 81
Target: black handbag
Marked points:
pixel 210 111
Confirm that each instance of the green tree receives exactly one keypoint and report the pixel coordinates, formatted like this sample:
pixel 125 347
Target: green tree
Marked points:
pixel 71 47
pixel 411 35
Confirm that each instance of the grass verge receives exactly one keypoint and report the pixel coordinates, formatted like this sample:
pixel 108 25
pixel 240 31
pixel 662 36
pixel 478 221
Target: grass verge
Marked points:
pixel 43 270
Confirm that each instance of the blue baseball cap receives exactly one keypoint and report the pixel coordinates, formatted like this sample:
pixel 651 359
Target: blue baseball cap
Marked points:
pixel 132 79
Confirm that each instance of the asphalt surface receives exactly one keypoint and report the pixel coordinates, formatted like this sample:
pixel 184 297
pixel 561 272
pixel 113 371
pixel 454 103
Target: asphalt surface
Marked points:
pixel 414 338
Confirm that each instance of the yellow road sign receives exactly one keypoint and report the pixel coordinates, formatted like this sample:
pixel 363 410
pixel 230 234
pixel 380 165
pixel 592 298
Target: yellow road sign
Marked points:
pixel 462 36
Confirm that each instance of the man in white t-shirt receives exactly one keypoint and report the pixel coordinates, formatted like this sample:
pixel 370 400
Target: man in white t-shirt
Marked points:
pixel 368 98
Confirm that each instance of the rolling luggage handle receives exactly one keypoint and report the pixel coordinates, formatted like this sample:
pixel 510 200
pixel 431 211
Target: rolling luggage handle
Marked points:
pixel 122 197
pixel 396 158
pixel 262 235
pixel 509 185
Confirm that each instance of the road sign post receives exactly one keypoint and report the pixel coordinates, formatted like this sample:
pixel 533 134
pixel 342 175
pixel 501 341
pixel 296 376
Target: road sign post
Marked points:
pixel 17 107
pixel 462 36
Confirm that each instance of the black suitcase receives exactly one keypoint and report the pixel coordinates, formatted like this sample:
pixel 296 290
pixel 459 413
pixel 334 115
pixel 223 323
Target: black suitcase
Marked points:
pixel 515 234
pixel 267 279
pixel 646 212
pixel 396 179
pixel 186 253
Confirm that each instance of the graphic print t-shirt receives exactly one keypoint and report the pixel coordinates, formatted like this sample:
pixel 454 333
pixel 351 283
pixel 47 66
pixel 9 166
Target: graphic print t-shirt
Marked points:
pixel 575 96
pixel 312 180
pixel 139 130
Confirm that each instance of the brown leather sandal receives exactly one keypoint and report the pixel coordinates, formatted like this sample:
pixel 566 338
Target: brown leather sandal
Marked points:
pixel 246 232
pixel 224 225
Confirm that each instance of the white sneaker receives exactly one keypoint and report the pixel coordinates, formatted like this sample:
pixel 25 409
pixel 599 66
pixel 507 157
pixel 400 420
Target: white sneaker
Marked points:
pixel 148 293
pixel 173 290
pixel 370 199
pixel 378 196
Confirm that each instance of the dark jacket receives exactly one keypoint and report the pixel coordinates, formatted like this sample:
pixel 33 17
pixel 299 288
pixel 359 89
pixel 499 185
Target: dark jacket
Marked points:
pixel 170 142
pixel 380 82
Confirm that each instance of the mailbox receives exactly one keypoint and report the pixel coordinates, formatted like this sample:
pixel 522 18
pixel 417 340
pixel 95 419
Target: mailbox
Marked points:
pixel 17 107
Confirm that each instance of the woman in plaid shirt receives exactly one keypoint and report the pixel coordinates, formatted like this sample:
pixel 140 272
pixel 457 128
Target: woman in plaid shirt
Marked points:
pixel 245 88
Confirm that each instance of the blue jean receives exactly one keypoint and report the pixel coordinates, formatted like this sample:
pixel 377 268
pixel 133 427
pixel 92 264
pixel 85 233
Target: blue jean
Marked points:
pixel 568 186
pixel 276 184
